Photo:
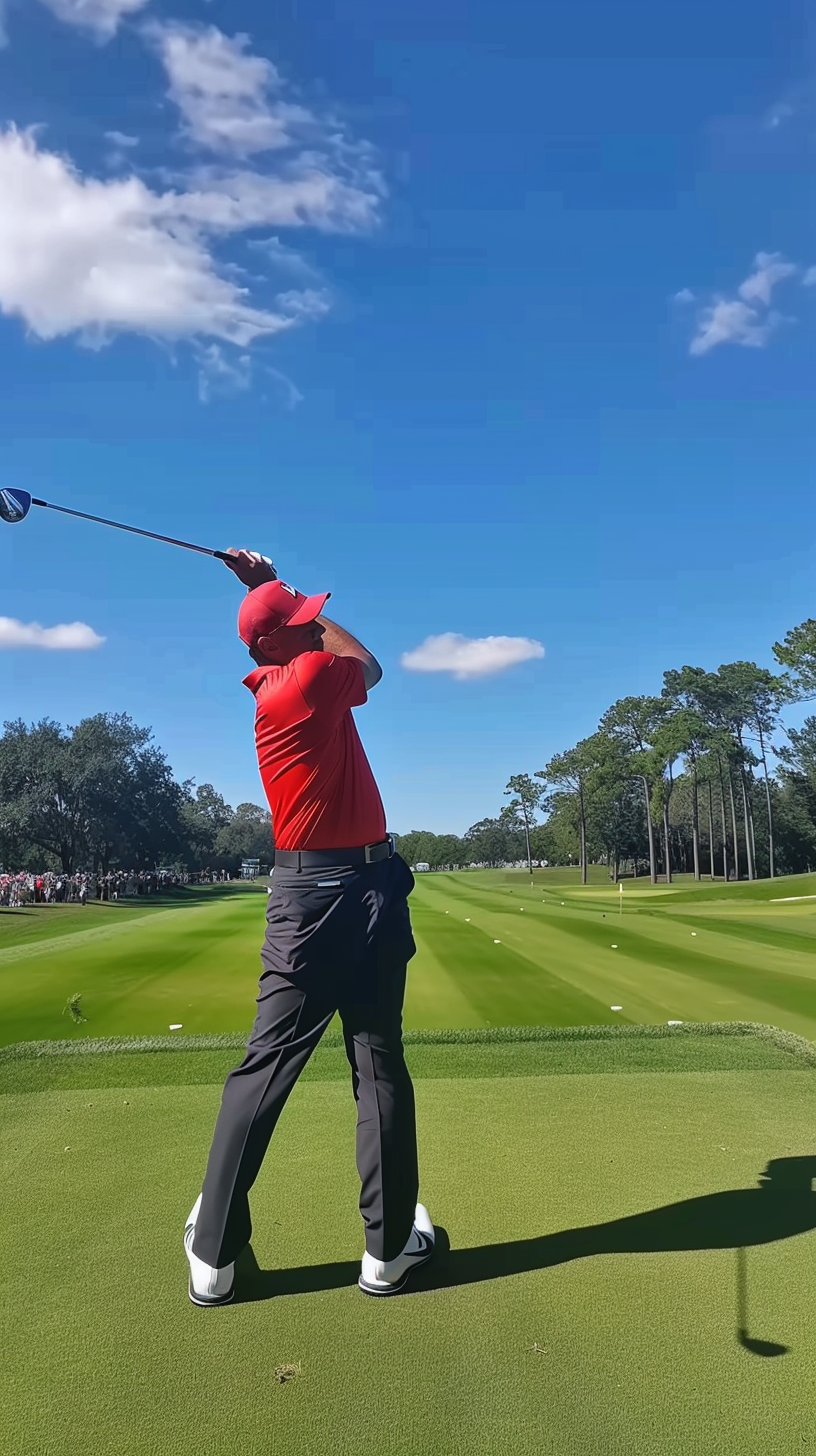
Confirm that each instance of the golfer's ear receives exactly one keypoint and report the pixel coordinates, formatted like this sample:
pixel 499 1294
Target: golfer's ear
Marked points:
pixel 267 645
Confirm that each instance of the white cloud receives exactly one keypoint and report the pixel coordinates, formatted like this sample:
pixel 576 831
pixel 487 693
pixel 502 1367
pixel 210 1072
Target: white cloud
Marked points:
pixel 96 256
pixel 770 269
pixel 3 31
pixel 101 17
pixel 470 657
pixel 219 375
pixel 69 637
pixel 231 102
pixel 287 259
pixel 81 256
pixel 810 277
pixel 292 395
pixel 742 320
pixel 729 321
pixel 308 194
pixel 303 303
pixel 684 296
pixel 237 105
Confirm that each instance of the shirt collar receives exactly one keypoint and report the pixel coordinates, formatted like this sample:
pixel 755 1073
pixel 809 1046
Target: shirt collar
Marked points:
pixel 254 679
pixel 258 675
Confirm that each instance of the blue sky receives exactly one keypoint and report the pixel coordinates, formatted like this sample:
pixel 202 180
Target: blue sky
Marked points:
pixel 494 321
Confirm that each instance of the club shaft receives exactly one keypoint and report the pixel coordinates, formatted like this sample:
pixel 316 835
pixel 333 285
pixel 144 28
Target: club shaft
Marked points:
pixel 137 531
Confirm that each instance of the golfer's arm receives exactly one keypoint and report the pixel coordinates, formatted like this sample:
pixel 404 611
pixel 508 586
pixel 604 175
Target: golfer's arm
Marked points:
pixel 342 644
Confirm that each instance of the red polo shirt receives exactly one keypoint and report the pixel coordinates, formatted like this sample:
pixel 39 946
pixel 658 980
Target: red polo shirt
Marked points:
pixel 316 777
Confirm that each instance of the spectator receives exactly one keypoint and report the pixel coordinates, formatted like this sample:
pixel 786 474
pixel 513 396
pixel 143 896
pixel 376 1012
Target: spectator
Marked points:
pixel 55 887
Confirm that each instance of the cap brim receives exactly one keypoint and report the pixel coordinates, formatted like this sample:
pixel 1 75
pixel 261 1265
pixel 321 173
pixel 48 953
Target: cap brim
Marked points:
pixel 311 609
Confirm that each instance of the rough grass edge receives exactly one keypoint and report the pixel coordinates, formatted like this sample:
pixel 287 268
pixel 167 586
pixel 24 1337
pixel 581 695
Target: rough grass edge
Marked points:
pixel 797 1047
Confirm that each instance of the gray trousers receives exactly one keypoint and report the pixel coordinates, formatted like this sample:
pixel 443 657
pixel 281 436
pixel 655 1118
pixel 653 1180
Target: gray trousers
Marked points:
pixel 338 939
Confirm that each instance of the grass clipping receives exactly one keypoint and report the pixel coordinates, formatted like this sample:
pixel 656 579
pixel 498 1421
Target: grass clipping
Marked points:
pixel 73 1009
pixel 286 1372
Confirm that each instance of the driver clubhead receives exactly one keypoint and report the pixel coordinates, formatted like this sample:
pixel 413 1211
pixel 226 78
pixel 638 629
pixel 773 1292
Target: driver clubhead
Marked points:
pixel 14 505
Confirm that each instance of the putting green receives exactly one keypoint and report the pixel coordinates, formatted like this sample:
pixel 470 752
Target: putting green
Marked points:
pixel 625 1258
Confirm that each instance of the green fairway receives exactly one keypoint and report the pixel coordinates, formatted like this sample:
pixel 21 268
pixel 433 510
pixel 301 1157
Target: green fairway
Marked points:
pixel 624 1256
pixel 685 952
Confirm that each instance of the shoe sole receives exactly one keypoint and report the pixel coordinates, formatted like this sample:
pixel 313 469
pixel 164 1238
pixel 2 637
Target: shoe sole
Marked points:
pixel 400 1283
pixel 204 1302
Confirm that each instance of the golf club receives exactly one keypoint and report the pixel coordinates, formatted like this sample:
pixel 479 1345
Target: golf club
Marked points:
pixel 16 504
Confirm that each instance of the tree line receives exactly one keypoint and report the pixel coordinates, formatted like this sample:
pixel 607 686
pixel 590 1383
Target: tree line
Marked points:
pixel 102 796
pixel 678 782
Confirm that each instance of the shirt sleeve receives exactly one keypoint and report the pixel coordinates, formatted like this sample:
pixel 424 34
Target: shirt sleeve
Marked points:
pixel 330 684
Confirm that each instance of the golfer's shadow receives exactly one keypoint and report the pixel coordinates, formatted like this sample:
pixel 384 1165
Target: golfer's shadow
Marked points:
pixel 782 1205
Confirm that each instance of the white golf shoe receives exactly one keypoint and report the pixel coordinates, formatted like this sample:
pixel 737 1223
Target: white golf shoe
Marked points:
pixel 207 1285
pixel 378 1277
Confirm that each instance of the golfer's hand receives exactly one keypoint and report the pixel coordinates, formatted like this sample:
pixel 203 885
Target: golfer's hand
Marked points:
pixel 250 567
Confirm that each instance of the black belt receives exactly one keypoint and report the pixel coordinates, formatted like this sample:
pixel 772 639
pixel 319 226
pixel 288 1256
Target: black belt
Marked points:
pixel 318 858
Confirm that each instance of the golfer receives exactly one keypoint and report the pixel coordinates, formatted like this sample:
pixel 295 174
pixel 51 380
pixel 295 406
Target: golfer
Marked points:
pixel 338 938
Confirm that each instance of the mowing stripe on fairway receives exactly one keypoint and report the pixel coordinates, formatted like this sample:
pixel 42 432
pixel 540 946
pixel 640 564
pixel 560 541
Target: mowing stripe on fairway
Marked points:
pixel 493 977
pixel 621 981
pixel 198 964
pixel 668 936
pixel 757 933
pixel 653 941
pixel 643 941
pixel 158 922
pixel 47 922
pixel 649 941
pixel 445 1001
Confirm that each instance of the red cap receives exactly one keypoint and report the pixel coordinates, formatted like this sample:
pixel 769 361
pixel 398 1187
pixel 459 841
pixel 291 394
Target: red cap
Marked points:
pixel 276 604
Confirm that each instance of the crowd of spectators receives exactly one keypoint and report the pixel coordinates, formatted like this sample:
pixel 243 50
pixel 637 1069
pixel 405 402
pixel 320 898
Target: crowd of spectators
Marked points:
pixel 52 887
